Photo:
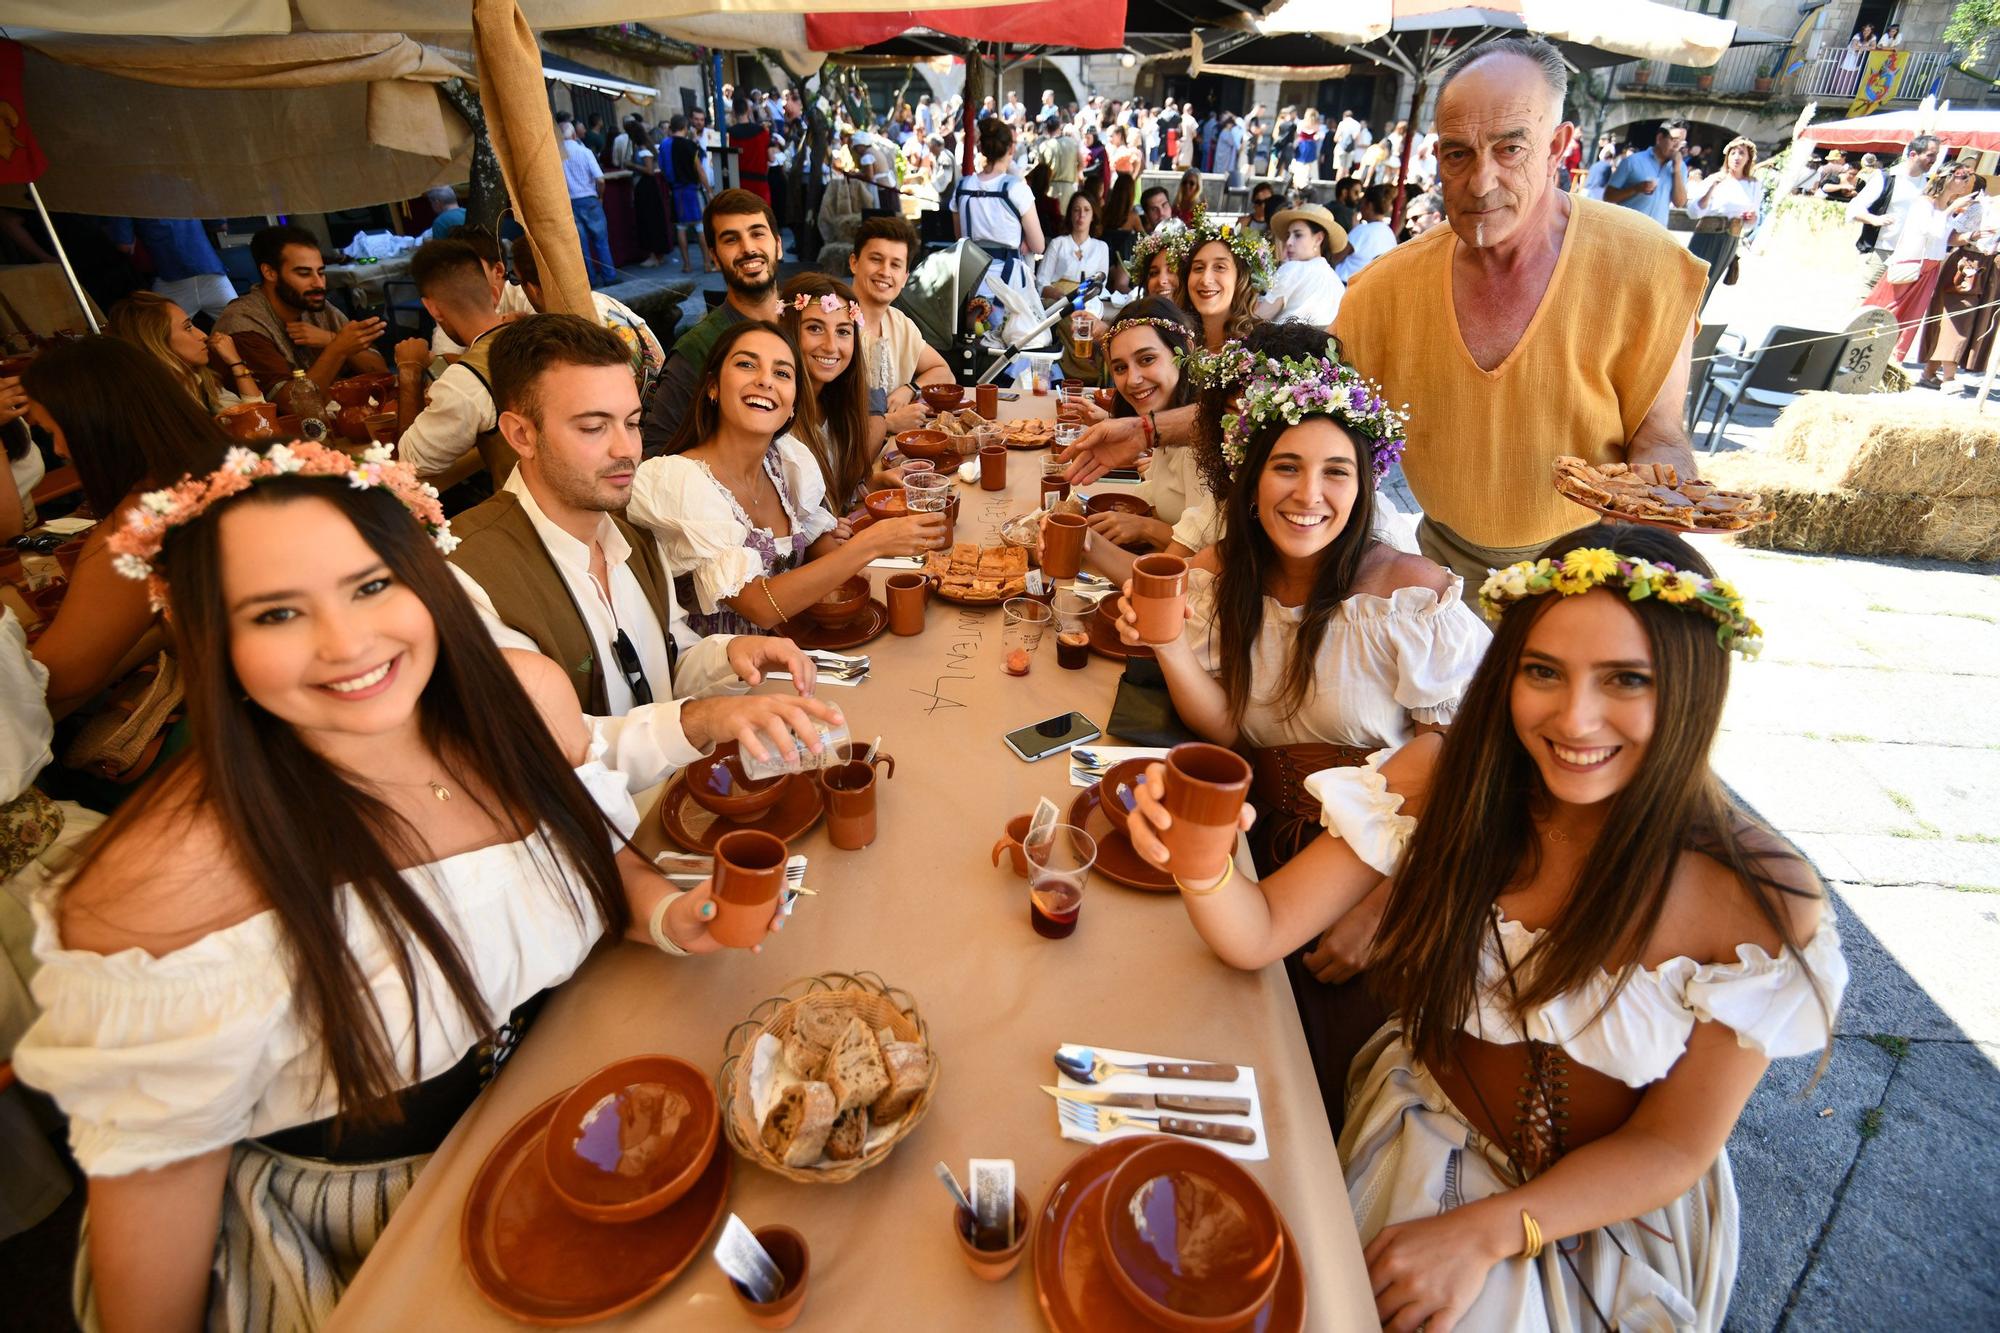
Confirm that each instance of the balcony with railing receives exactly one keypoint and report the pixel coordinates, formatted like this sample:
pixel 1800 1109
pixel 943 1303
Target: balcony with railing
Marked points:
pixel 1757 72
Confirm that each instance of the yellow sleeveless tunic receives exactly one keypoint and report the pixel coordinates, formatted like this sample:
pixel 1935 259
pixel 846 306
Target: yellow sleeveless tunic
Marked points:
pixel 1582 378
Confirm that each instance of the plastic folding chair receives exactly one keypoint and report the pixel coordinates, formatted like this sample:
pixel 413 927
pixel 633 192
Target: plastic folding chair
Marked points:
pixel 1707 337
pixel 1791 362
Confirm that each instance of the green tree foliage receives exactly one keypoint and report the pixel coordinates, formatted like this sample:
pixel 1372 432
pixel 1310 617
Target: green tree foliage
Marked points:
pixel 1973 27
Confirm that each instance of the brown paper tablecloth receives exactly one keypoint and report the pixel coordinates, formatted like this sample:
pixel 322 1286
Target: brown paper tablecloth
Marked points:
pixel 924 908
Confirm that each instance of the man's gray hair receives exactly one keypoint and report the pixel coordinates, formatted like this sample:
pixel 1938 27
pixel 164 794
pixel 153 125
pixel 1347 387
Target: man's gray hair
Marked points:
pixel 1542 55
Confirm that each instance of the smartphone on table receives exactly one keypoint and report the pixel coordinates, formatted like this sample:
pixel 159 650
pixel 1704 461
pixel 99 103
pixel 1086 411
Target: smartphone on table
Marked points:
pixel 1051 735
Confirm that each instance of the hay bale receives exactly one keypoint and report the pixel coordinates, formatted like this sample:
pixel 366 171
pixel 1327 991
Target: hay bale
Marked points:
pixel 1814 516
pixel 1892 444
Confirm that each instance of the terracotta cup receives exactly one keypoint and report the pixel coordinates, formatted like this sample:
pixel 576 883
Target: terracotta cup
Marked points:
pixel 1062 545
pixel 849 789
pixel 250 421
pixel 907 595
pixel 68 554
pixel 1017 833
pixel 993 1264
pixel 986 400
pixel 993 467
pixel 1159 595
pixel 788 1251
pixel 749 876
pixel 1206 786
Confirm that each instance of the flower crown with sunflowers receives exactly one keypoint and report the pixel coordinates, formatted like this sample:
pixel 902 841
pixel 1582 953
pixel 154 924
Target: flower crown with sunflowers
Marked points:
pixel 1589 567
pixel 136 547
pixel 1298 387
pixel 832 305
pixel 1249 247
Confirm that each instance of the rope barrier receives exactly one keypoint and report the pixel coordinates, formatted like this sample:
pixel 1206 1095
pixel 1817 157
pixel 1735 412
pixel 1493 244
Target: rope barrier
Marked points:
pixel 1884 331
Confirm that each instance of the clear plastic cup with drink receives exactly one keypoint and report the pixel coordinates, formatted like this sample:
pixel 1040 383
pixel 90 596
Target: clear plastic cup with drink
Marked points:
pixel 1059 861
pixel 1072 615
pixel 929 493
pixel 796 757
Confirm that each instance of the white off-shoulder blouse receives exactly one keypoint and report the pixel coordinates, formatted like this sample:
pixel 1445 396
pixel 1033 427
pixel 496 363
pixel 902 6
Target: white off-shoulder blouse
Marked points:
pixel 704 534
pixel 1383 663
pixel 1779 1006
pixel 156 1060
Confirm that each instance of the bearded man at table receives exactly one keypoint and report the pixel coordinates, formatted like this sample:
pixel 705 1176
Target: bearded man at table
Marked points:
pixel 1536 325
pixel 285 324
pixel 552 568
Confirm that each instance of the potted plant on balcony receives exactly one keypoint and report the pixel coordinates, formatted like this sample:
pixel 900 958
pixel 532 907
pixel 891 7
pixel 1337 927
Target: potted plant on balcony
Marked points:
pixel 1763 83
pixel 1642 74
pixel 1704 82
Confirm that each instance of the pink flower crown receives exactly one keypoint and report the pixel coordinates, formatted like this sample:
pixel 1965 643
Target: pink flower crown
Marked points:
pixel 136 547
pixel 833 305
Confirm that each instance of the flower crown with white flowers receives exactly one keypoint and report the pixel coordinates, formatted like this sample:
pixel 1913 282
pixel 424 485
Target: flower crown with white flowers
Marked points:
pixel 1297 387
pixel 1251 249
pixel 136 546
pixel 1227 365
pixel 1589 567
pixel 832 305
pixel 1170 236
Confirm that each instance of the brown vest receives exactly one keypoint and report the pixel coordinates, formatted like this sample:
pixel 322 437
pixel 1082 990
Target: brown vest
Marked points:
pixel 494 451
pixel 499 547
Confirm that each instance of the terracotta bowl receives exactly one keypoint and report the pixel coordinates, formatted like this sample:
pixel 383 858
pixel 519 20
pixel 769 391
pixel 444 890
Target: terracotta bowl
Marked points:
pixel 1125 773
pixel 942 397
pixel 355 391
pixel 934 445
pixel 788 1251
pixel 382 427
pixel 250 421
pixel 1110 503
pixel 291 427
pixel 632 1138
pixel 719 787
pixel 1191 1239
pixel 843 606
pixel 886 504
pixel 992 1265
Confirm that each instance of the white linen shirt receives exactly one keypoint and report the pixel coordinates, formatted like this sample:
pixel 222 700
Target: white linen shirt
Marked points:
pixel 580 170
pixel 645 741
pixel 1371 240
pixel 1064 258
pixel 1308 291
pixel 460 407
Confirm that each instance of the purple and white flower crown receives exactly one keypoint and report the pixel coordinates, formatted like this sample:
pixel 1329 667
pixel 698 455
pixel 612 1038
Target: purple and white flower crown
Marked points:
pixel 1299 387
pixel 136 547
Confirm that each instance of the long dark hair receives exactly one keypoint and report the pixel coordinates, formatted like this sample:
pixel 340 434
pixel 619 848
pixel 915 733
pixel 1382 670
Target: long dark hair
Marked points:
pixel 126 421
pixel 704 418
pixel 1157 307
pixel 1477 835
pixel 303 826
pixel 1117 207
pixel 1239 319
pixel 831 419
pixel 1248 561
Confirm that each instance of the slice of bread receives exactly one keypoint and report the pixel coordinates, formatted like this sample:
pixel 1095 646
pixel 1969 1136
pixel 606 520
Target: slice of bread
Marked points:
pixel 850 1135
pixel 815 1029
pixel 795 1131
pixel 909 1065
pixel 855 1070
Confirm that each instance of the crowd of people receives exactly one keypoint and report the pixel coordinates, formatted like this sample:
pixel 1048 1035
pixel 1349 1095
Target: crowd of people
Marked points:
pixel 1541 955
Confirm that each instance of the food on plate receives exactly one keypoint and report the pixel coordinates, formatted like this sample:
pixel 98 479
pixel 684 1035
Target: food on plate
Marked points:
pixel 1655 493
pixel 1028 432
pixel 962 422
pixel 909 1066
pixel 972 573
pixel 796 1129
pixel 855 1070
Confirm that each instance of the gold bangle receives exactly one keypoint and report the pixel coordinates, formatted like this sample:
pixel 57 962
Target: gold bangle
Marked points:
pixel 1531 1232
pixel 1228 873
pixel 772 598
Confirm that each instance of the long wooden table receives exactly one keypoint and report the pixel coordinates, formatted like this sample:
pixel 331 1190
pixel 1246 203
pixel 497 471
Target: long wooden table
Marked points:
pixel 923 908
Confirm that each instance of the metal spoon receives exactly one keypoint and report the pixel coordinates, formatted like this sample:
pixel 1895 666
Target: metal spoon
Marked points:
pixel 1087 1066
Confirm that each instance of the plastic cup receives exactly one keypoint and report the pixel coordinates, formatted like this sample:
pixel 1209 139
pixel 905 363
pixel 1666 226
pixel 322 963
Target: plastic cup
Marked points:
pixel 1059 861
pixel 1027 620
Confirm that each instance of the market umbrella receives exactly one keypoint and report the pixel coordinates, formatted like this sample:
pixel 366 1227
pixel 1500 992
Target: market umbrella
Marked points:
pixel 1058 23
pixel 1891 131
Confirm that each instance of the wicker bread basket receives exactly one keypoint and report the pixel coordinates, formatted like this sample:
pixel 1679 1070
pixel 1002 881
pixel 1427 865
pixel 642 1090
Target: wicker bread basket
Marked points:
pixel 862 995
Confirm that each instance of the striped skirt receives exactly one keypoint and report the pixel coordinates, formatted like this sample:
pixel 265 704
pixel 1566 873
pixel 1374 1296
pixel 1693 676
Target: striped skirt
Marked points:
pixel 294 1233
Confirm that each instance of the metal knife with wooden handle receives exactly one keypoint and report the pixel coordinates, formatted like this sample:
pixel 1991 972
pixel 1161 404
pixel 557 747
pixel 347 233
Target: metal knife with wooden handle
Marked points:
pixel 1155 1101
pixel 1207 1129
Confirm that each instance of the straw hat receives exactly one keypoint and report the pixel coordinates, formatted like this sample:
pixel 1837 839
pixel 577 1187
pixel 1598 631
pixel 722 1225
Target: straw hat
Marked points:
pixel 1336 235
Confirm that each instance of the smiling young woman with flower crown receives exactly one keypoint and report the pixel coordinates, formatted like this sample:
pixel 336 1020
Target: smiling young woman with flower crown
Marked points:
pixel 1591 953
pixel 291 961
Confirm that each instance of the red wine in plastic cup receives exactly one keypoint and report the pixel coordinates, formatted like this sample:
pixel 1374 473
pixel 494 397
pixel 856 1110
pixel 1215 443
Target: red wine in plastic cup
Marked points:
pixel 1053 906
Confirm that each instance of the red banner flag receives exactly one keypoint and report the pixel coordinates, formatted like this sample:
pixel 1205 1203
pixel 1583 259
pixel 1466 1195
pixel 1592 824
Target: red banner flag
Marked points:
pixel 21 158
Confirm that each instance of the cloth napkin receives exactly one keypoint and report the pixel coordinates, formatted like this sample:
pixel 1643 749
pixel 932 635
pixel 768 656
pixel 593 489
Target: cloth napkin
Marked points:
pixel 1112 754
pixel 1244 1086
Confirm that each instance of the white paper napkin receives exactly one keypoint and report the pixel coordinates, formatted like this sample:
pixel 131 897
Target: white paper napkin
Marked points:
pixel 897 562
pixel 70 525
pixel 1115 753
pixel 1244 1086
pixel 828 679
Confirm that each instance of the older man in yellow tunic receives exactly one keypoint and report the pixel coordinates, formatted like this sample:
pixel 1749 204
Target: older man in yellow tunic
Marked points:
pixel 1537 324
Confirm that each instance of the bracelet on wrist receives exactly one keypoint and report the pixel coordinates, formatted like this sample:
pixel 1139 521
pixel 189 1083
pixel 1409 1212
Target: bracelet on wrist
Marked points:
pixel 1228 873
pixel 1531 1237
pixel 656 926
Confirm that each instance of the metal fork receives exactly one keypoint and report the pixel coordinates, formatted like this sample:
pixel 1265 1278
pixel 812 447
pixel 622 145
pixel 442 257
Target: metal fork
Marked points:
pixel 1103 1120
pixel 687 869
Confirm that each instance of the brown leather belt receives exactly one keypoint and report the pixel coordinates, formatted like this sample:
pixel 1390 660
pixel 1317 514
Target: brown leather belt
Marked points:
pixel 1288 815
pixel 1547 1105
